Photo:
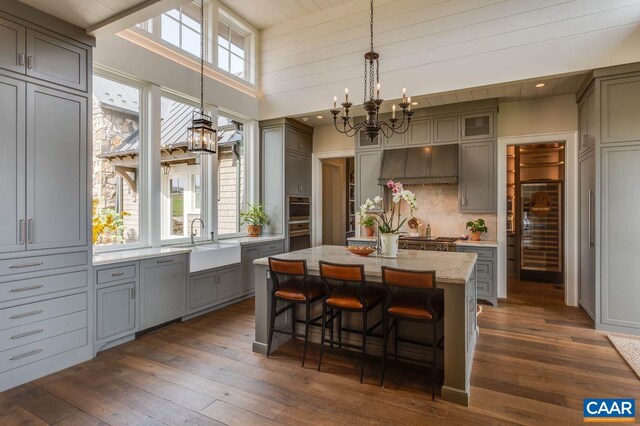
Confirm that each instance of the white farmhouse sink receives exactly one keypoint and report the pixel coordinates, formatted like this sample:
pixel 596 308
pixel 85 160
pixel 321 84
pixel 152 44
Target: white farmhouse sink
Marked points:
pixel 214 255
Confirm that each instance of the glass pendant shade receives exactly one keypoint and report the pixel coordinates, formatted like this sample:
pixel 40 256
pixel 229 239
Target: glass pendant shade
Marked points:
pixel 201 136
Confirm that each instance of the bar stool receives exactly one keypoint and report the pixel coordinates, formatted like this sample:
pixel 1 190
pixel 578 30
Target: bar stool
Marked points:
pixel 412 296
pixel 348 292
pixel 293 285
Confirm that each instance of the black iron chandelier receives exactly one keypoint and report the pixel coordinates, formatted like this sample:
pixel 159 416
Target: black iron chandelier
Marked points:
pixel 201 136
pixel 372 125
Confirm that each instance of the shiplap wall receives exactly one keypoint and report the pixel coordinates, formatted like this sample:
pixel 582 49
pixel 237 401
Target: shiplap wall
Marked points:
pixel 432 46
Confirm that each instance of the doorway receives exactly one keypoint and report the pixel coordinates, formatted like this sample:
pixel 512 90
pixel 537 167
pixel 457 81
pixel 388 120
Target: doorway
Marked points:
pixel 510 251
pixel 535 216
pixel 338 200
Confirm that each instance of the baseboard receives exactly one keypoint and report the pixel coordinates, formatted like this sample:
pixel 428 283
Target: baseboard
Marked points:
pixel 455 395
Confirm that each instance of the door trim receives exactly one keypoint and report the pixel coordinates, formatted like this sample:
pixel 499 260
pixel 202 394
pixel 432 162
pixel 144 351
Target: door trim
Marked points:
pixel 571 230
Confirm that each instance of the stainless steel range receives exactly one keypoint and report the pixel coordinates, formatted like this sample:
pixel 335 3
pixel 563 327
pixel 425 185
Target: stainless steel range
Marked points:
pixel 428 244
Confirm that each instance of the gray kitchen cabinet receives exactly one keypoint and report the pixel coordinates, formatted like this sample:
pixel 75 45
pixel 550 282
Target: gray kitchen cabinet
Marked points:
pixel 298 141
pixel 247 256
pixel 12 164
pixel 228 283
pixel 486 272
pixel 12 46
pixel 202 290
pixel 116 310
pixel 445 129
pixel 419 132
pixel 619 245
pixel 587 258
pixel 367 173
pixel 163 285
pixel 477 189
pixel 619 113
pixel 297 173
pixel 57 61
pixel 587 121
pixel 56 169
pixel 477 126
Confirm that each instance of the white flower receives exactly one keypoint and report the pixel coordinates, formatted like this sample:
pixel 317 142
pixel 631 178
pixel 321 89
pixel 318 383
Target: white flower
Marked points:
pixel 396 197
pixel 377 199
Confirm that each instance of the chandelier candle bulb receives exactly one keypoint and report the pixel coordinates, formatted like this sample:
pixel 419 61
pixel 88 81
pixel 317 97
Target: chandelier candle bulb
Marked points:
pixel 393 111
pixel 404 94
pixel 335 99
pixel 378 90
pixel 409 102
pixel 346 94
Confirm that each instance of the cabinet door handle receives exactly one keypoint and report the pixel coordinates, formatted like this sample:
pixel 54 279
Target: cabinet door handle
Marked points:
pixel 25 265
pixel 27 334
pixel 26 314
pixel 21 231
pixel 17 357
pixel 591 242
pixel 165 261
pixel 30 62
pixel 133 293
pixel 30 231
pixel 32 287
pixel 117 274
pixel 21 59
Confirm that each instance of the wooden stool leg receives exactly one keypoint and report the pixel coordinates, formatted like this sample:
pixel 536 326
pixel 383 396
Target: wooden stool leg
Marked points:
pixel 293 320
pixel 324 329
pixel 395 338
pixel 433 378
pixel 364 344
pixel 306 331
pixel 332 327
pixel 272 324
pixel 385 332
pixel 340 329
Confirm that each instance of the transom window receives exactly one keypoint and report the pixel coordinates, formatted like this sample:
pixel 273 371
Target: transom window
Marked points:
pixel 232 53
pixel 181 27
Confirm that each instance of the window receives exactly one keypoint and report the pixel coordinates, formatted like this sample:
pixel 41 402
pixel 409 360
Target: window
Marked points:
pixel 231 175
pixel 116 163
pixel 181 172
pixel 232 50
pixel 181 27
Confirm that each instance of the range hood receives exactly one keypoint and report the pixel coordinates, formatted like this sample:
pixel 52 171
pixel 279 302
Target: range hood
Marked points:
pixel 429 165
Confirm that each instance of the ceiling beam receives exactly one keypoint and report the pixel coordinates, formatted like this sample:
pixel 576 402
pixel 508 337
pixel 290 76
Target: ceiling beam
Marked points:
pixel 128 18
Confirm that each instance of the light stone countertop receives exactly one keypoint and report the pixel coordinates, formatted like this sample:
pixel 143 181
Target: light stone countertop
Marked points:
pixel 108 258
pixel 450 267
pixel 265 238
pixel 481 243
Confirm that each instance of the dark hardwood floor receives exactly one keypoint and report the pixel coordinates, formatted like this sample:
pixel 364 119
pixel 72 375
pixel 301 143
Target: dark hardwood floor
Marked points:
pixel 535 361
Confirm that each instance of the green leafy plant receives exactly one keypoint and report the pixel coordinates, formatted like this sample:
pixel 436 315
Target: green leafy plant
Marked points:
pixel 108 225
pixel 254 215
pixel 368 221
pixel 477 226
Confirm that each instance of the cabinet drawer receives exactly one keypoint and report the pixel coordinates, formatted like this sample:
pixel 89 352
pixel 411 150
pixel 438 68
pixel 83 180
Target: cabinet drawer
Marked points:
pixel 485 269
pixel 23 355
pixel 35 286
pixel 42 263
pixel 484 287
pixel 29 333
pixel 126 272
pixel 275 247
pixel 38 311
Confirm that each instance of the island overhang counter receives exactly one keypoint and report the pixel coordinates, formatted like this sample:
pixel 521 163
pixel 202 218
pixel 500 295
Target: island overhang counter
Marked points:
pixel 455 275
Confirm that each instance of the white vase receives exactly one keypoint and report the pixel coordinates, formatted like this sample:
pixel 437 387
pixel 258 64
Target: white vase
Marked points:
pixel 389 245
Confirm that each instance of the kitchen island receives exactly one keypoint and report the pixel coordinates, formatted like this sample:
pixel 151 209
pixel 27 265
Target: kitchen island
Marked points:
pixel 455 275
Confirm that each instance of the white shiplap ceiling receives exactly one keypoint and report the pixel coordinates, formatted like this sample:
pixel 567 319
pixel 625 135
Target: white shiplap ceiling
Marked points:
pixel 268 13
pixel 506 92
pixel 84 13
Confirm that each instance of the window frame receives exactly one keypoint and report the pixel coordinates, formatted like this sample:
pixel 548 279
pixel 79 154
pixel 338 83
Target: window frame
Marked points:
pixel 241 199
pixel 205 29
pixel 142 183
pixel 206 213
pixel 246 37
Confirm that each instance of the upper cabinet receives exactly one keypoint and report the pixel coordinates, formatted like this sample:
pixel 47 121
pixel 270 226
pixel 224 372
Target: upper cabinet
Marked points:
pixel 477 189
pixel 298 141
pixel 587 119
pixel 12 46
pixel 364 142
pixel 367 173
pixel 419 132
pixel 26 51
pixel 477 126
pixel 619 110
pixel 445 129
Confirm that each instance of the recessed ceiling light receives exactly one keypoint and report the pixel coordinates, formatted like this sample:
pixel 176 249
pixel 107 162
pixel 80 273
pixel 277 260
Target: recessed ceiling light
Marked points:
pixel 414 103
pixel 539 85
pixel 305 119
pixel 319 117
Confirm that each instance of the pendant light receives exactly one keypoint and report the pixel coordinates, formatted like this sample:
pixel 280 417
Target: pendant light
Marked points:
pixel 201 136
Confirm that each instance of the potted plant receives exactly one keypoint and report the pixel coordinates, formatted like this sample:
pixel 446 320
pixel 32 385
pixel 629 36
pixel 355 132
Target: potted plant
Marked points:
pixel 477 228
pixel 389 222
pixel 369 224
pixel 254 217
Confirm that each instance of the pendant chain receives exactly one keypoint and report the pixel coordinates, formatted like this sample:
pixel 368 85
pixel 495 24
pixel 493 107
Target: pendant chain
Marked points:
pixel 202 57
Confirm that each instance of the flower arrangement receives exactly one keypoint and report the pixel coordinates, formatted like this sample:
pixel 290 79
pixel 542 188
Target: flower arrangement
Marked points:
pixel 389 222
pixel 108 225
